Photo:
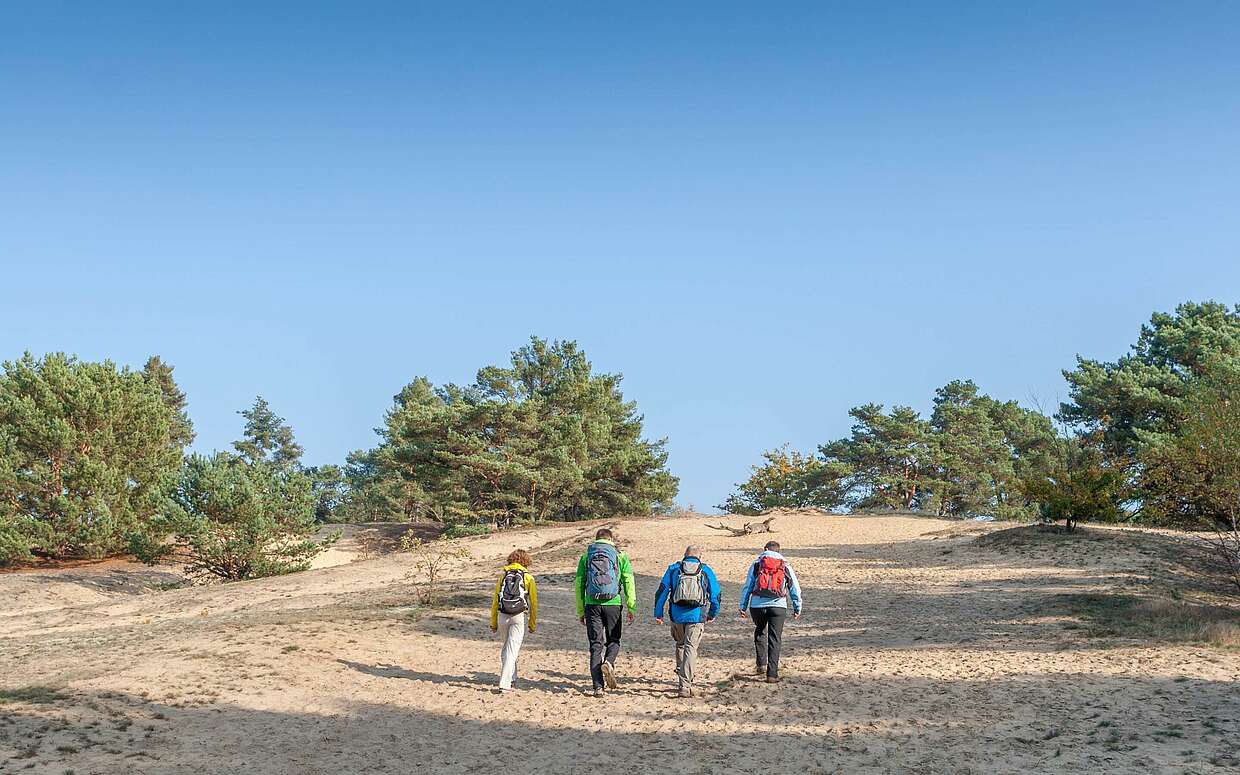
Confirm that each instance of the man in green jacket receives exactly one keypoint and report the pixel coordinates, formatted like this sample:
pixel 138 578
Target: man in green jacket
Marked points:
pixel 604 587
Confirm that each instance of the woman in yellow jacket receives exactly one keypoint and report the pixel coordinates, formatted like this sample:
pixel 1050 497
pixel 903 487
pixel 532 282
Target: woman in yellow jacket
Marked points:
pixel 514 607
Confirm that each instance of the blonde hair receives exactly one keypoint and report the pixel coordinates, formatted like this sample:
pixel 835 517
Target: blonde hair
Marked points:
pixel 520 557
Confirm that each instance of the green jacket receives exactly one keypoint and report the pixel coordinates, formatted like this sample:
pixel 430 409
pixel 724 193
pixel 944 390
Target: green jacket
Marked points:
pixel 628 588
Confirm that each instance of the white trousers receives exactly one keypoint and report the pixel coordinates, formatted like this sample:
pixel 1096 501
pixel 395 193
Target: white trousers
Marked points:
pixel 512 632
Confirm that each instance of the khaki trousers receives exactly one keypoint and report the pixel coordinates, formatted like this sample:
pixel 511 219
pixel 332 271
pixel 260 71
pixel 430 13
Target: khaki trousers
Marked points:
pixel 688 637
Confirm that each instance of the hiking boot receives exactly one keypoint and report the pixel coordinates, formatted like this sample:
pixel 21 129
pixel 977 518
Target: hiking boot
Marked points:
pixel 685 691
pixel 760 670
pixel 598 691
pixel 773 679
pixel 609 675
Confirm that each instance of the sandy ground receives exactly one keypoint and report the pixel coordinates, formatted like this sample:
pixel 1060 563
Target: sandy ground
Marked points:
pixel 926 646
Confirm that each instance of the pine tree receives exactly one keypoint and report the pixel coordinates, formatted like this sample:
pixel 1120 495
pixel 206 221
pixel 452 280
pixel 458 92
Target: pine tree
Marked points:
pixel 543 438
pixel 1137 401
pixel 889 457
pixel 969 458
pixel 160 374
pixel 1137 405
pixel 329 489
pixel 983 449
pixel 88 453
pixel 267 438
pixel 789 479
pixel 240 516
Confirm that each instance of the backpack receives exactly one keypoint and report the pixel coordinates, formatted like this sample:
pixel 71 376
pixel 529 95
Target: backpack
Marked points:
pixel 602 571
pixel 690 589
pixel 512 593
pixel 769 577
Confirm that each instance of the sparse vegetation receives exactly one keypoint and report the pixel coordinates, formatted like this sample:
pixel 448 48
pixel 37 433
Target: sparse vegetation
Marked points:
pixel 430 561
pixel 37 695
pixel 1130 616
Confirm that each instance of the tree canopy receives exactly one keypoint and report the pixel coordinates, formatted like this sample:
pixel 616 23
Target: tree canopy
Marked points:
pixel 544 438
pixel 968 458
pixel 88 452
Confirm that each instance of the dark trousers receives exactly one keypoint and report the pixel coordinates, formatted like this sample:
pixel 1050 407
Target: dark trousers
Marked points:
pixel 768 636
pixel 603 626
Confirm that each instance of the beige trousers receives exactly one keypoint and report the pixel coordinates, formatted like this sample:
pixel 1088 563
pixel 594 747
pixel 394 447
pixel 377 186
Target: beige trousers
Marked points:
pixel 688 637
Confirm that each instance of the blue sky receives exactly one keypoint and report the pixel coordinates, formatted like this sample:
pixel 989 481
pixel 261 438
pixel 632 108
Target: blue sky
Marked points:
pixel 761 215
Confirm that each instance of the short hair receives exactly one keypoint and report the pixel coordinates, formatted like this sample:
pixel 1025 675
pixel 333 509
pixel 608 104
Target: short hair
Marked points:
pixel 772 546
pixel 604 532
pixel 520 557
pixel 693 550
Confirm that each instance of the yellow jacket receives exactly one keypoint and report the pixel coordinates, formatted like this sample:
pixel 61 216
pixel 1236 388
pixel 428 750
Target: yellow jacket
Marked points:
pixel 531 589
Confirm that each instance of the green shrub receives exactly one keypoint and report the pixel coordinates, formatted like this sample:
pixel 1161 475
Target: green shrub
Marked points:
pixel 462 530
pixel 237 519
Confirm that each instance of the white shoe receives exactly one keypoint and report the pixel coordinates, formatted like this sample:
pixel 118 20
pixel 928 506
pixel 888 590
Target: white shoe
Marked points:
pixel 609 675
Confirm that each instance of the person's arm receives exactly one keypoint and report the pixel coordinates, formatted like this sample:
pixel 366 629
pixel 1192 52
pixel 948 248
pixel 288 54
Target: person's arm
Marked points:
pixel 532 587
pixel 660 598
pixel 495 604
pixel 627 584
pixel 794 590
pixel 746 590
pixel 580 585
pixel 716 594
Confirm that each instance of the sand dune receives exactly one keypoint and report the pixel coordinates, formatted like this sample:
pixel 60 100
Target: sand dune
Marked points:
pixel 926 646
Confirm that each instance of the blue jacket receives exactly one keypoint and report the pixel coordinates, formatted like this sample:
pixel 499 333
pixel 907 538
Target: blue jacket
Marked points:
pixel 749 600
pixel 681 614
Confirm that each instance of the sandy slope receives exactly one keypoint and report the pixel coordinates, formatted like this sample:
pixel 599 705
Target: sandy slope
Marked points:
pixel 923 649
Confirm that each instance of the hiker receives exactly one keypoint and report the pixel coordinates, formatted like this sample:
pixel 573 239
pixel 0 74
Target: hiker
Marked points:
pixel 769 586
pixel 514 608
pixel 691 594
pixel 604 587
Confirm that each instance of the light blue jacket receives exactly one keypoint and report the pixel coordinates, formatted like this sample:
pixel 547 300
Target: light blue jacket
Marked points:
pixel 750 600
pixel 683 614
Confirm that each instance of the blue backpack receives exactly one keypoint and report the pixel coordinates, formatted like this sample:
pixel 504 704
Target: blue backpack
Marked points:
pixel 602 571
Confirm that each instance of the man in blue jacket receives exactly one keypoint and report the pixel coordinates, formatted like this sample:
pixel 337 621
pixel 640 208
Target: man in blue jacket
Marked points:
pixel 769 587
pixel 691 594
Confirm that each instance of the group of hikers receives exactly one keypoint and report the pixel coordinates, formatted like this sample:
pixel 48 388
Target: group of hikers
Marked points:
pixel 689 595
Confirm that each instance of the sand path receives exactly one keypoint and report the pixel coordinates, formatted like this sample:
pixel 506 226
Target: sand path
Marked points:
pixel 922 650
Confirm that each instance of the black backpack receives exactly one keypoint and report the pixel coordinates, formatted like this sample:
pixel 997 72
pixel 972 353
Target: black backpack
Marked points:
pixel 512 593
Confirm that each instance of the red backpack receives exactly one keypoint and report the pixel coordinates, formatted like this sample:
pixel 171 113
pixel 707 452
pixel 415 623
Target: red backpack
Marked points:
pixel 770 579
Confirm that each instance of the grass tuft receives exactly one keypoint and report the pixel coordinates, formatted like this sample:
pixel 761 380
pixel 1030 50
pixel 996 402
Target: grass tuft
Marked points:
pixel 35 695
pixel 1105 616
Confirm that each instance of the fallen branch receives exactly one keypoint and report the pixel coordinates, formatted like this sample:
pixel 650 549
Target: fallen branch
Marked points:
pixel 747 529
pixel 736 532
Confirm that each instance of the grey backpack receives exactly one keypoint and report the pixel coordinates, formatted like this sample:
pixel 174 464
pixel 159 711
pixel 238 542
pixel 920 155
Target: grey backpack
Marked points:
pixel 512 593
pixel 690 589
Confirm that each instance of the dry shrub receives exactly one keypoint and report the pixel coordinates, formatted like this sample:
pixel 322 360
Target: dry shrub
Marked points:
pixel 431 562
pixel 1183 621
pixel 1222 634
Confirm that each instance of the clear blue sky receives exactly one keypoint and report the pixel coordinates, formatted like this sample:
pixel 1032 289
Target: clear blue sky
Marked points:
pixel 761 214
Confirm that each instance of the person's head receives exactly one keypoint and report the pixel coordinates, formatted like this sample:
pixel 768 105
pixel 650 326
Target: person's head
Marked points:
pixel 604 533
pixel 693 551
pixel 772 546
pixel 520 557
